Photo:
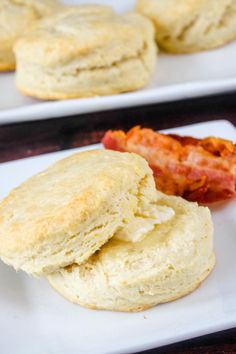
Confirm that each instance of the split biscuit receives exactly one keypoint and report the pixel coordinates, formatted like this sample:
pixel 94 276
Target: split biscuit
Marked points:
pixel 64 214
pixel 170 262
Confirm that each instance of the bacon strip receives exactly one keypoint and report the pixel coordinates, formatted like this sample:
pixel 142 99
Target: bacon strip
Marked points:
pixel 202 170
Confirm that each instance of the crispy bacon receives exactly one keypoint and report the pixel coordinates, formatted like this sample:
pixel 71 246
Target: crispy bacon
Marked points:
pixel 202 170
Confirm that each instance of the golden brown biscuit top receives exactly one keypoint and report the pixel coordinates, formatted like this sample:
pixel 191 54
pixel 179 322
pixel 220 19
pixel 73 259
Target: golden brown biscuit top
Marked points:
pixel 18 15
pixel 41 7
pixel 169 11
pixel 56 201
pixel 84 30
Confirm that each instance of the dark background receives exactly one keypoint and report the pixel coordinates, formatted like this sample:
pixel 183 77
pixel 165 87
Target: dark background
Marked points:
pixel 38 137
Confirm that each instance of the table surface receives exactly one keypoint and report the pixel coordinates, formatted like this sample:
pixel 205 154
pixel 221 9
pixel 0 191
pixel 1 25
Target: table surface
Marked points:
pixel 39 137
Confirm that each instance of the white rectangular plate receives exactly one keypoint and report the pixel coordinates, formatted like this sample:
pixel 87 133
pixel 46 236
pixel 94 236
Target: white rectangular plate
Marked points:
pixel 35 319
pixel 176 77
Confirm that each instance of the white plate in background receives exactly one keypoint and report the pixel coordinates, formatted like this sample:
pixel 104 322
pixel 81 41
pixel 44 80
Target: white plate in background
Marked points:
pixel 35 319
pixel 176 77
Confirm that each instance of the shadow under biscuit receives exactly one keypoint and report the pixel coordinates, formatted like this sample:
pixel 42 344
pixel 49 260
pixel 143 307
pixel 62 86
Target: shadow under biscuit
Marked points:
pixel 13 288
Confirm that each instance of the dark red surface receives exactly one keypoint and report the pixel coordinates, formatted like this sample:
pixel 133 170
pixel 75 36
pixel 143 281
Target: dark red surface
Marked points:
pixel 39 137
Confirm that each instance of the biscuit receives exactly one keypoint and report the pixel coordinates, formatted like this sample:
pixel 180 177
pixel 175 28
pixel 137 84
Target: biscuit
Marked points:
pixel 170 262
pixel 67 212
pixel 186 26
pixel 17 17
pixel 86 51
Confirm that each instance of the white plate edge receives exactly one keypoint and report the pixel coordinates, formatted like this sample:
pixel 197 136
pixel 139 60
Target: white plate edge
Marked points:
pixel 49 109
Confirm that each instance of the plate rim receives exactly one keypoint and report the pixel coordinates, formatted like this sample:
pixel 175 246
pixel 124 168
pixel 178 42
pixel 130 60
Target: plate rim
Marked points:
pixel 149 96
pixel 155 343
